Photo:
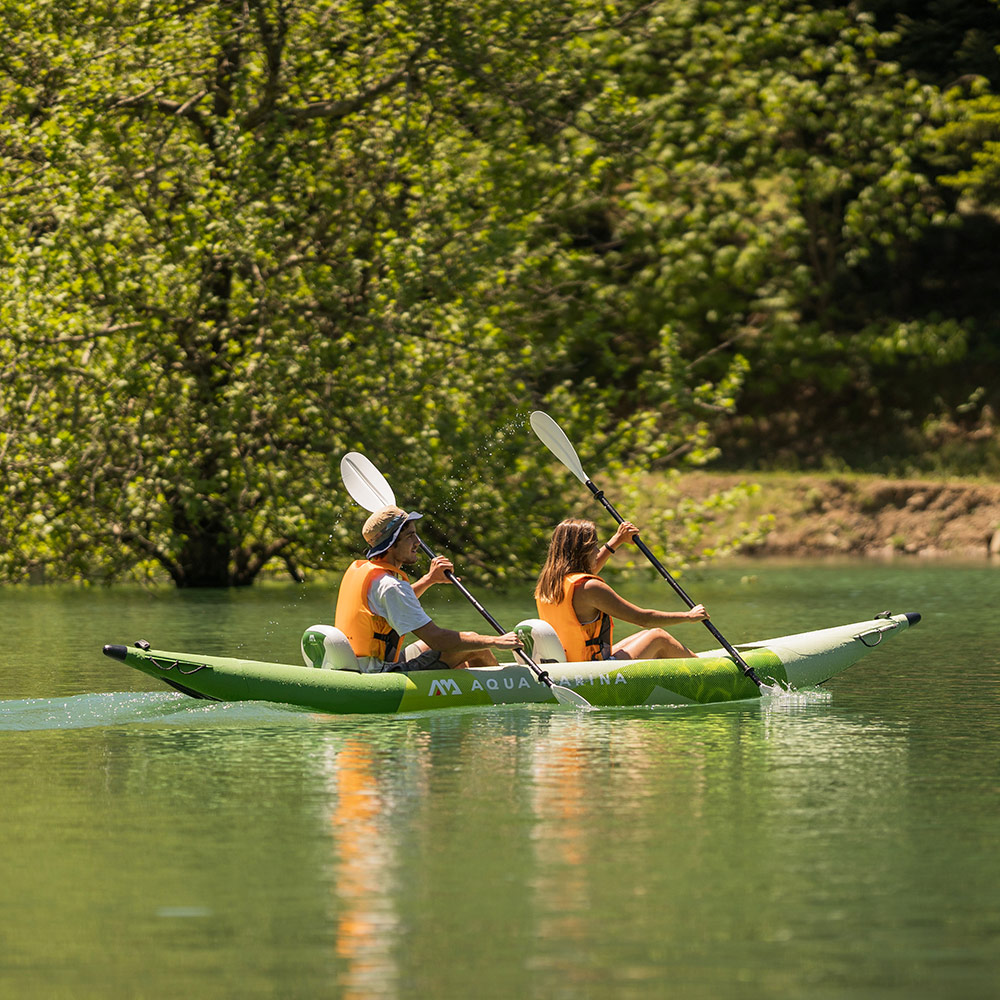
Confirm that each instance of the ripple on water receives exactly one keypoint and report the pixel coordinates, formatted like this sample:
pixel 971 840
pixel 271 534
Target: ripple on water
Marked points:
pixel 122 708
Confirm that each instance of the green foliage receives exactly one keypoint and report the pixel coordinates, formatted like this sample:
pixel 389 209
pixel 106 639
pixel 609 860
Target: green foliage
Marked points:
pixel 973 138
pixel 246 238
pixel 942 41
pixel 241 239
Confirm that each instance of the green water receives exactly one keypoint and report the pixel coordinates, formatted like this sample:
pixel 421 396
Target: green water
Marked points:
pixel 834 843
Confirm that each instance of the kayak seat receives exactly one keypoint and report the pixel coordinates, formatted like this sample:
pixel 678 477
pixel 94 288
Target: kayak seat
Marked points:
pixel 327 648
pixel 540 641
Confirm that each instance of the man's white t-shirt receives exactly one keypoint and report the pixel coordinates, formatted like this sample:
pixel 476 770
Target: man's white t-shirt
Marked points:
pixel 396 602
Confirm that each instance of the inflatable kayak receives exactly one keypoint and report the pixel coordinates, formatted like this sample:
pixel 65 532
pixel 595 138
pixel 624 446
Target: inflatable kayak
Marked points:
pixel 790 662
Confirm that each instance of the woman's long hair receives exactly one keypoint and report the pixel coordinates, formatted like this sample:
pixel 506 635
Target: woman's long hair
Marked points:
pixel 573 549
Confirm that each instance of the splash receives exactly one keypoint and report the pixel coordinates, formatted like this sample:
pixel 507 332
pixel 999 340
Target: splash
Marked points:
pixel 789 699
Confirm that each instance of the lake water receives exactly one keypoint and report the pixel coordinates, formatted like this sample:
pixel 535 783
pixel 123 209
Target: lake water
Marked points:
pixel 836 843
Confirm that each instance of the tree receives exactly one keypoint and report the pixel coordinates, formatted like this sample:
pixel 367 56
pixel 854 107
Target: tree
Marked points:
pixel 823 268
pixel 773 223
pixel 242 239
pixel 247 237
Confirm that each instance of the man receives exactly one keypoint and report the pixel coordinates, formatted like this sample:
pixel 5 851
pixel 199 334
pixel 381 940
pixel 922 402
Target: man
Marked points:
pixel 377 605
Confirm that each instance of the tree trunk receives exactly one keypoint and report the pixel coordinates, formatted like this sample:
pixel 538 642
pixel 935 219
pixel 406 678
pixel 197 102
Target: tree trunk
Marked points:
pixel 204 558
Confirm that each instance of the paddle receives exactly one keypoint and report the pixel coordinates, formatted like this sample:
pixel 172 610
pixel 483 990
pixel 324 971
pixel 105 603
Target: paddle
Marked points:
pixel 369 488
pixel 553 437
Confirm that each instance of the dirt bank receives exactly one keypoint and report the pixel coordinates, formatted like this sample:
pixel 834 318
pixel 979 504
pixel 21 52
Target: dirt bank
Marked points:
pixel 869 516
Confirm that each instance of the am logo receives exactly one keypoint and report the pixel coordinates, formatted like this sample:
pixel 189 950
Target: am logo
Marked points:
pixel 446 686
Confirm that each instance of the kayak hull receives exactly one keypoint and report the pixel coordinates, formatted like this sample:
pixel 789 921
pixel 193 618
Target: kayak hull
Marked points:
pixel 804 659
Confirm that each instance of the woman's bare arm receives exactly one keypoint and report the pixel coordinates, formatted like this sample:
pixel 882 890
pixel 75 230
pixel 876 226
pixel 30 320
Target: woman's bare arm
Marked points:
pixel 596 595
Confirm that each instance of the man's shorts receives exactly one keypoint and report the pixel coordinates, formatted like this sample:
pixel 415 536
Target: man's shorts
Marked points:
pixel 429 659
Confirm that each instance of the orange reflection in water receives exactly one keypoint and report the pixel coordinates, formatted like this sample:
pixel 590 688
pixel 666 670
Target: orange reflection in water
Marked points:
pixel 560 837
pixel 367 921
pixel 577 781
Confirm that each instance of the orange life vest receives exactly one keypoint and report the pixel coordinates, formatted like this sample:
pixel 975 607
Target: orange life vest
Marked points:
pixel 368 633
pixel 592 641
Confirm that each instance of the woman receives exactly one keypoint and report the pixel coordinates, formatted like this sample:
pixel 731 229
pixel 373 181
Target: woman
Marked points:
pixel 580 606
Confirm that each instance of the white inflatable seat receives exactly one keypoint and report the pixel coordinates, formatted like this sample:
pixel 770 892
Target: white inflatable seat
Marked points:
pixel 326 647
pixel 540 641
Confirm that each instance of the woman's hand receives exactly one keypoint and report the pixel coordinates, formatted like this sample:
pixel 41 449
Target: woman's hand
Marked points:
pixel 625 533
pixel 698 613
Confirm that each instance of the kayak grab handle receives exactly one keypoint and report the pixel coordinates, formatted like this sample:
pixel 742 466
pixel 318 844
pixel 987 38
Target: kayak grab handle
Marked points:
pixel 877 632
pixel 912 617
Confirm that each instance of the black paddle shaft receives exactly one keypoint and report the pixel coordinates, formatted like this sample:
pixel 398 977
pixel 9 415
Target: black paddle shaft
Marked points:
pixel 542 675
pixel 642 547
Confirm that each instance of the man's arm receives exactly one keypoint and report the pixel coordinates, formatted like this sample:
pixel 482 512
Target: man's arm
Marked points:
pixel 436 574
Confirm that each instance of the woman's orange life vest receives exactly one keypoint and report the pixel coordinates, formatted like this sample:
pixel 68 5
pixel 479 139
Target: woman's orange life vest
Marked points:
pixel 368 633
pixel 592 641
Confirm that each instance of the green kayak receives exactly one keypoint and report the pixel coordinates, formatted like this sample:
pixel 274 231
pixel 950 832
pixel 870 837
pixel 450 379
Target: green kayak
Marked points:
pixel 791 662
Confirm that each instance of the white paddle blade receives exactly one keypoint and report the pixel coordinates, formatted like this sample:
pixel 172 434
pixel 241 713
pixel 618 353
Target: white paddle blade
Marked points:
pixel 566 696
pixel 365 483
pixel 552 436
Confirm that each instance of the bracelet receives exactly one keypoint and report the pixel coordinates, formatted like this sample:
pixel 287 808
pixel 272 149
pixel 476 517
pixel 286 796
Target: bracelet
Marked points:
pixel 611 550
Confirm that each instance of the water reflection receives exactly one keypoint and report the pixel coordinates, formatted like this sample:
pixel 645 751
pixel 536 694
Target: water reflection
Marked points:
pixel 366 918
pixel 642 815
pixel 581 848
pixel 561 842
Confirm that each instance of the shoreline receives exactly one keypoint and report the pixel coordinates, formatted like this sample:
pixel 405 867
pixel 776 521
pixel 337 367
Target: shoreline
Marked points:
pixel 860 516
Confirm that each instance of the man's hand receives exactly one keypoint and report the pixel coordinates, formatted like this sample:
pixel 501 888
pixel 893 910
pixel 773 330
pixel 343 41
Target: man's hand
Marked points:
pixel 510 640
pixel 438 568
